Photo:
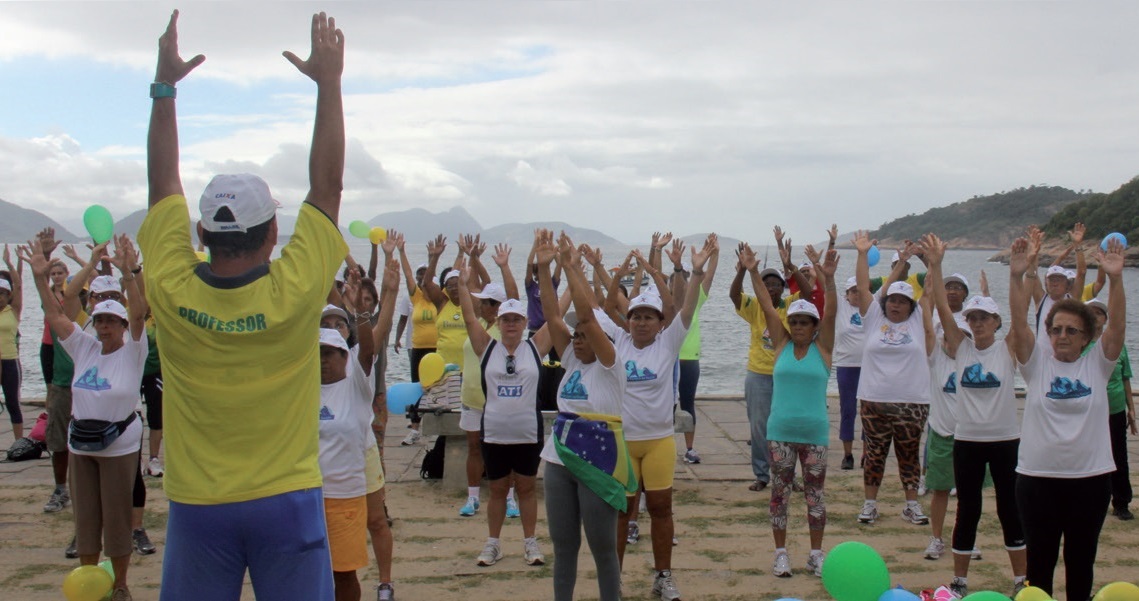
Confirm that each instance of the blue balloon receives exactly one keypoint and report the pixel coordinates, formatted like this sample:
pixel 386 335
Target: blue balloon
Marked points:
pixel 872 255
pixel 898 594
pixel 1113 236
pixel 403 395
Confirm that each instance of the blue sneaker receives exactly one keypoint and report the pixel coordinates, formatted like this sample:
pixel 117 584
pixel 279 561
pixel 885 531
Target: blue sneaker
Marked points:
pixel 512 508
pixel 471 508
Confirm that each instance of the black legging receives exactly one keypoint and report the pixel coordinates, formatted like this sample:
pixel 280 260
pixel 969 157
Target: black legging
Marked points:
pixel 47 361
pixel 1072 508
pixel 10 382
pixel 1120 478
pixel 969 461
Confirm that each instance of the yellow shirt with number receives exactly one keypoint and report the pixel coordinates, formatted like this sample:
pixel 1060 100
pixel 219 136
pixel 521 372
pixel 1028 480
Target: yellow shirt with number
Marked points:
pixel 240 359
pixel 452 332
pixel 761 352
pixel 423 312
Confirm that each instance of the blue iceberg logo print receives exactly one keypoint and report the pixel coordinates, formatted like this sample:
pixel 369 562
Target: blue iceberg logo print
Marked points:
pixel 975 376
pixel 90 380
pixel 574 389
pixel 1064 388
pixel 325 414
pixel 632 374
pixel 950 384
pixel 855 319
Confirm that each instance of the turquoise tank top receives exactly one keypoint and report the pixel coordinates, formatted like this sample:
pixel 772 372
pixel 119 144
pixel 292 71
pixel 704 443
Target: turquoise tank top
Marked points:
pixel 799 398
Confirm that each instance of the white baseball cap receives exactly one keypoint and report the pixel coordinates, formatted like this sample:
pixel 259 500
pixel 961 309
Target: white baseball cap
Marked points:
pixel 334 310
pixel 960 279
pixel 454 273
pixel 1070 273
pixel 110 307
pixel 1099 304
pixel 771 271
pixel 981 303
pixel 512 306
pixel 803 307
pixel 571 318
pixel 4 285
pixel 104 284
pixel 894 258
pixel 851 282
pixel 651 301
pixel 330 337
pixel 1056 270
pixel 492 291
pixel 902 288
pixel 245 195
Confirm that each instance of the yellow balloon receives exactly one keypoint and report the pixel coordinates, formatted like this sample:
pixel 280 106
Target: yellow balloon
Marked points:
pixel 1118 591
pixel 377 235
pixel 430 368
pixel 1033 593
pixel 87 583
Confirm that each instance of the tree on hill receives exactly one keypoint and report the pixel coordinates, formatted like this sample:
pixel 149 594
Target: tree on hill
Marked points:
pixel 1102 214
pixel 984 221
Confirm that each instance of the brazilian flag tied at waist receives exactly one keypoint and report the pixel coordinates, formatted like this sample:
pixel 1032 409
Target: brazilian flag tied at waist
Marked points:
pixel 592 447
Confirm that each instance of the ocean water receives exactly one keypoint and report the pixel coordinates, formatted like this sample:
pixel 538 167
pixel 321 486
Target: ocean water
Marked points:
pixel 725 336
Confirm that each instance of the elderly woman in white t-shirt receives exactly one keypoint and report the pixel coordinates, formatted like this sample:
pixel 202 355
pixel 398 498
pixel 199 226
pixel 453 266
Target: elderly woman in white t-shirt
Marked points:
pixel 1065 463
pixel 105 435
pixel 593 386
pixel 894 384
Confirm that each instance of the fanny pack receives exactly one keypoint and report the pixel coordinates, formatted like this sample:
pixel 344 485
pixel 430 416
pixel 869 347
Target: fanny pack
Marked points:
pixel 93 435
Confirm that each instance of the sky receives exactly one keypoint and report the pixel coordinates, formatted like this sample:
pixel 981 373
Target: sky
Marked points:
pixel 625 117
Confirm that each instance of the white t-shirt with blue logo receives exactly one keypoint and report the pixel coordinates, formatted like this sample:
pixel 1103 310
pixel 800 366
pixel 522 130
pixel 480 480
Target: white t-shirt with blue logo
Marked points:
pixel 942 392
pixel 346 431
pixel 986 397
pixel 106 386
pixel 647 411
pixel 1065 433
pixel 591 388
pixel 849 336
pixel 511 414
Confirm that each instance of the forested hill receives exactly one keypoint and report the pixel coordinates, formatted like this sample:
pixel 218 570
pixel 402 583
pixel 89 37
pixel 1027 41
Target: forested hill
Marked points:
pixel 985 221
pixel 1102 214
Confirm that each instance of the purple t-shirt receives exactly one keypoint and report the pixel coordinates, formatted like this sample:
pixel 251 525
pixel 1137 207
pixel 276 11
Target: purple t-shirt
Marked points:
pixel 535 318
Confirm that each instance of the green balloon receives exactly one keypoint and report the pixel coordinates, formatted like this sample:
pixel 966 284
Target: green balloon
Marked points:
pixel 854 571
pixel 986 596
pixel 359 229
pixel 97 219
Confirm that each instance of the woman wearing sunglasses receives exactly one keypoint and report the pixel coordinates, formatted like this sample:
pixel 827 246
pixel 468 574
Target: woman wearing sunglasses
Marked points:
pixel 1064 463
pixel 798 429
pixel 511 426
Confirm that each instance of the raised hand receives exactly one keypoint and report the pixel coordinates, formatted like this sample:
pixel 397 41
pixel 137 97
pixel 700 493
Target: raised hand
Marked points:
pixel 642 262
pixel 465 242
pixel 592 255
pixel 1111 262
pixel 700 257
pixel 778 231
pixel 400 240
pixel 832 234
pixel 934 248
pixel 7 255
pixel 662 240
pixel 1077 233
pixel 812 254
pixel 544 248
pixel 325 61
pixel 569 253
pixel 676 251
pixel 390 282
pixel 171 68
pixel 1018 258
pixel 436 247
pixel 478 247
pixel 746 256
pixel 351 292
pixel 830 264
pixel 47 240
pixel 862 241
pixel 785 253
pixel 501 254
pixel 69 252
pixel 98 253
pixel 715 240
pixel 626 266
pixel 389 244
pixel 33 254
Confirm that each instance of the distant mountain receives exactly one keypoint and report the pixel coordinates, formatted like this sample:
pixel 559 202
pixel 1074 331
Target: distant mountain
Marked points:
pixel 982 221
pixel 129 225
pixel 18 224
pixel 419 226
pixel 521 235
pixel 1102 214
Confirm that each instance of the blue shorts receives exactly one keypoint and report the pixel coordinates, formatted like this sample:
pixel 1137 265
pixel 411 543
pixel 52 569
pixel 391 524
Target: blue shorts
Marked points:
pixel 280 539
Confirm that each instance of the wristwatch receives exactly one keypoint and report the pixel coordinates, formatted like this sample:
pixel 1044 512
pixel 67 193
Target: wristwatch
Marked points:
pixel 161 89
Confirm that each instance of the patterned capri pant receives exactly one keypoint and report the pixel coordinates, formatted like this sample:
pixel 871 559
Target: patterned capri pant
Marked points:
pixel 814 461
pixel 902 423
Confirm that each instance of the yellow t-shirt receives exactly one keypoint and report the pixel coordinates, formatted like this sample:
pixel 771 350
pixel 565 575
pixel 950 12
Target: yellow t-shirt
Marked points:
pixel 761 352
pixel 8 332
pixel 240 359
pixel 423 333
pixel 472 371
pixel 452 332
pixel 1088 293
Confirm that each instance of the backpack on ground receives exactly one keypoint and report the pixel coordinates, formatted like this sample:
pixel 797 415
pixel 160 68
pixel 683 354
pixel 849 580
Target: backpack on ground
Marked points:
pixel 25 449
pixel 432 468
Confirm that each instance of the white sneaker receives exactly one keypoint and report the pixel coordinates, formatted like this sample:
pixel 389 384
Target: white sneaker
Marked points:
pixel 411 438
pixel 922 490
pixel 533 555
pixel 935 549
pixel 782 567
pixel 869 513
pixel 490 554
pixel 815 564
pixel 665 587
pixel 914 515
pixel 155 468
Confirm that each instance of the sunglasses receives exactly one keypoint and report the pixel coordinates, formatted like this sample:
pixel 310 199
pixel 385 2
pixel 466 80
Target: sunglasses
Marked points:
pixel 800 322
pixel 491 302
pixel 1057 331
pixel 510 369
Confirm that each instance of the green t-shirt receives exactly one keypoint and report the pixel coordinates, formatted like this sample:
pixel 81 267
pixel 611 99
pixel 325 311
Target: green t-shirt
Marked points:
pixel 1116 399
pixel 690 350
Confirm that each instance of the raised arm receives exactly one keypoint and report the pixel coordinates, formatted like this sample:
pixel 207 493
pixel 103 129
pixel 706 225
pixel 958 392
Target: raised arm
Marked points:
pixel 614 290
pixel 162 173
pixel 789 266
pixel 53 313
pixel 126 259
pixel 17 302
pixel 374 261
pixel 324 66
pixel 750 263
pixel 862 242
pixel 353 302
pixel 735 291
pixel 475 330
pixel 1035 241
pixel 389 292
pixel 1020 338
pixel 934 251
pixel 543 254
pixel 71 304
pixel 583 303
pixel 1114 331
pixel 431 289
pixel 502 259
pixel 668 304
pixel 830 304
pixel 713 264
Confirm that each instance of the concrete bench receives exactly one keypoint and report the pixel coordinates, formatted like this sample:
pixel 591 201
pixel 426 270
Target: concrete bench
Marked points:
pixel 446 424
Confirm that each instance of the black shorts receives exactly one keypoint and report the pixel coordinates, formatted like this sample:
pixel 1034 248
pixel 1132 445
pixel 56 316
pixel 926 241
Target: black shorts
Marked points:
pixel 502 459
pixel 152 396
